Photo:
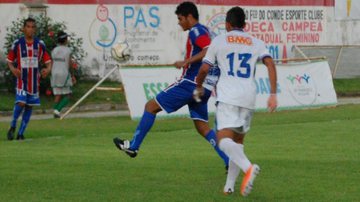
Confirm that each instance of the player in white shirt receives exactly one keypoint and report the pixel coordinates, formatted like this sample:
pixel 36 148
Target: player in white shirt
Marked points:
pixel 236 54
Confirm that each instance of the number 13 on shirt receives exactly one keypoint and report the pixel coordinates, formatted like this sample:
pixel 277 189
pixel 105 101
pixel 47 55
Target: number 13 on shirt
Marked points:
pixel 244 68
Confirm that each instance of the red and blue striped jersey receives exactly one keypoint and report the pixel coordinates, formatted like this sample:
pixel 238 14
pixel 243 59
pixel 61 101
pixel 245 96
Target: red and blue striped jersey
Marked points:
pixel 27 57
pixel 198 39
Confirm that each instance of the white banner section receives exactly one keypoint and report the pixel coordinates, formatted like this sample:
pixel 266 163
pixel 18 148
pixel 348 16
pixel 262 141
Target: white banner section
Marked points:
pixel 300 86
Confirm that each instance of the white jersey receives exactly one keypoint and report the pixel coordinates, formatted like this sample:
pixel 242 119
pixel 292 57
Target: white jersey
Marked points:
pixel 236 54
pixel 60 75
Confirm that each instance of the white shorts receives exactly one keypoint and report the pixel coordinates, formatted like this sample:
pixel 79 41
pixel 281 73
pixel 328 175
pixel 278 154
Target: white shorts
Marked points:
pixel 233 117
pixel 62 90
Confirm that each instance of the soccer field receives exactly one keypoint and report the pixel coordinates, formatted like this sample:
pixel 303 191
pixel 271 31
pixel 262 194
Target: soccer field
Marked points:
pixel 310 155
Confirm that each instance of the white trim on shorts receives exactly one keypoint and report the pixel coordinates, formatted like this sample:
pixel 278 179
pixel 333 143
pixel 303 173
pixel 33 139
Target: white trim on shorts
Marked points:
pixel 163 109
pixel 62 90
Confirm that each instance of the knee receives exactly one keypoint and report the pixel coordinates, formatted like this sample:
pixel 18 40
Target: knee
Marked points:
pixel 20 104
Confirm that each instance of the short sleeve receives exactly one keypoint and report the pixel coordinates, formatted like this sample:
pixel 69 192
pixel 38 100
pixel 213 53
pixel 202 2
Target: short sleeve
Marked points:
pixel 199 37
pixel 263 51
pixel 210 57
pixel 46 57
pixel 12 52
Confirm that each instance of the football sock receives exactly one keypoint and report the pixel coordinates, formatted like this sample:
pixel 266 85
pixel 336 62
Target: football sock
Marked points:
pixel 17 112
pixel 63 102
pixel 25 120
pixel 146 122
pixel 233 173
pixel 235 152
pixel 211 138
pixel 56 105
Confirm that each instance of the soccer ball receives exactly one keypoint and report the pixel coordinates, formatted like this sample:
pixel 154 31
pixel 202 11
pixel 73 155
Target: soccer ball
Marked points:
pixel 121 51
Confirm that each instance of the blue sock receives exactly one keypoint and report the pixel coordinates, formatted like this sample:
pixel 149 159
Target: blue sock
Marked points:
pixel 147 121
pixel 25 120
pixel 211 137
pixel 17 112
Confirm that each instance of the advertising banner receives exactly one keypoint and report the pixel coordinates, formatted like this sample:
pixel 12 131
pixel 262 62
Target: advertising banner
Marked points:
pixel 301 85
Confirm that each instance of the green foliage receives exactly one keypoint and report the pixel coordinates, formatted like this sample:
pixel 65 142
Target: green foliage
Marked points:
pixel 46 30
pixel 97 97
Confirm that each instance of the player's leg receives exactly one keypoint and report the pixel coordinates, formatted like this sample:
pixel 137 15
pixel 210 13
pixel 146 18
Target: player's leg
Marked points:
pixel 144 126
pixel 235 151
pixel 31 100
pixel 66 92
pixel 233 173
pixel 63 102
pixel 56 105
pixel 24 122
pixel 199 113
pixel 233 123
pixel 20 101
pixel 203 129
pixel 169 100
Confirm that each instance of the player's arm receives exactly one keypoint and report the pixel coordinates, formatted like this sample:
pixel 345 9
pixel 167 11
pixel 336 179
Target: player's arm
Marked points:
pixel 203 71
pixel 10 60
pixel 272 101
pixel 71 69
pixel 196 58
pixel 16 72
pixel 199 90
pixel 46 58
pixel 48 64
pixel 203 41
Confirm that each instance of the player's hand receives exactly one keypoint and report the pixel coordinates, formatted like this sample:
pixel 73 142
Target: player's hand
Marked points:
pixel 73 79
pixel 272 103
pixel 198 93
pixel 16 72
pixel 45 72
pixel 180 64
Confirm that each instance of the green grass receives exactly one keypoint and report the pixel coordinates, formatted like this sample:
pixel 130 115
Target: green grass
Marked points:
pixel 311 155
pixel 111 97
pixel 347 86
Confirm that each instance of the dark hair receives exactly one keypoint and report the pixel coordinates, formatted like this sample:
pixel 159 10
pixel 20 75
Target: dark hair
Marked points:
pixel 62 37
pixel 186 8
pixel 29 19
pixel 236 17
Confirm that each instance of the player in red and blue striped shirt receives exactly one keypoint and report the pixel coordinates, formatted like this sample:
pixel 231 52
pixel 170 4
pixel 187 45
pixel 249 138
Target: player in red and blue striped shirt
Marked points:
pixel 24 62
pixel 180 93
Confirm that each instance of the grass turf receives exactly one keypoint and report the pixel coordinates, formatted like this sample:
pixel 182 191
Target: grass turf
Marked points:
pixel 310 155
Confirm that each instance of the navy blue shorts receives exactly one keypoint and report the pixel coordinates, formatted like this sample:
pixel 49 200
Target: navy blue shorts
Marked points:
pixel 179 94
pixel 26 98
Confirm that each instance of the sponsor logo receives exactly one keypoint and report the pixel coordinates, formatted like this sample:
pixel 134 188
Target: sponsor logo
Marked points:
pixel 239 40
pixel 29 62
pixel 302 88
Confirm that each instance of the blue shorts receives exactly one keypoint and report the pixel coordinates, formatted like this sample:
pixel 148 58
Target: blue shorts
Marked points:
pixel 26 98
pixel 179 94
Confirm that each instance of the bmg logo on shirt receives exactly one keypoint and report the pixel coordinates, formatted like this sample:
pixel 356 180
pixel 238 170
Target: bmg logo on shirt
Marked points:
pixel 239 40
pixel 29 62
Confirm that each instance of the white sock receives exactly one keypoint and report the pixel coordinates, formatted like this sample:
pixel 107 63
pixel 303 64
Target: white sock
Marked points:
pixel 233 173
pixel 235 152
